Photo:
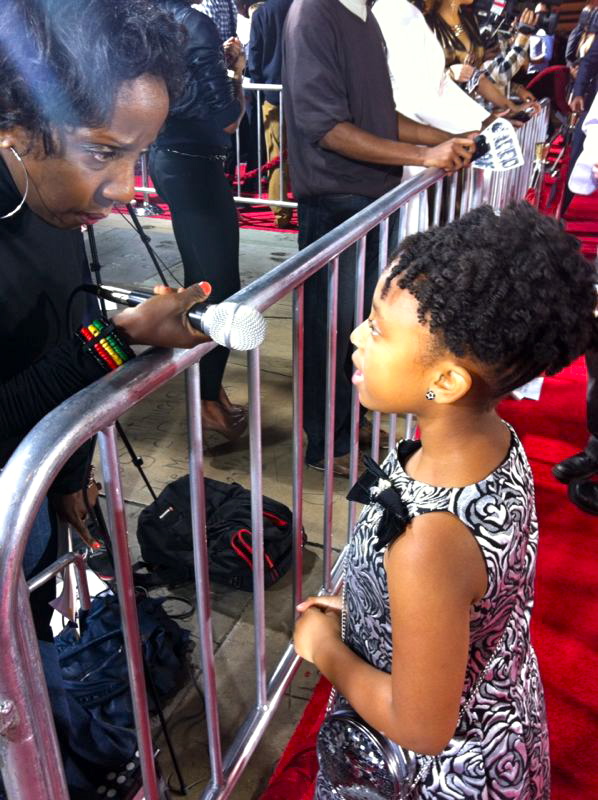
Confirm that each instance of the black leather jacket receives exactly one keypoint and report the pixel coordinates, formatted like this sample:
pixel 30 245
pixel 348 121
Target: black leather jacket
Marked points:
pixel 208 103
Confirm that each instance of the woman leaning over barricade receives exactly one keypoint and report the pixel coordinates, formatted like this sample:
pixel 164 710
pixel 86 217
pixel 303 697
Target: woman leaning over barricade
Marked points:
pixel 85 87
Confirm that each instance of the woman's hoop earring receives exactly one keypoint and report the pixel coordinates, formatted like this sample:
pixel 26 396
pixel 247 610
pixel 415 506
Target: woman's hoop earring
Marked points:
pixel 24 198
pixel 430 395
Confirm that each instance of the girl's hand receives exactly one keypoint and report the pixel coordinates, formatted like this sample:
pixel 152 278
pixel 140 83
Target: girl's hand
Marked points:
pixel 332 602
pixel 313 628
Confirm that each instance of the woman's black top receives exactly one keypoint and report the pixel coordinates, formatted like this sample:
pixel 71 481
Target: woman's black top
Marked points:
pixel 41 363
pixel 208 103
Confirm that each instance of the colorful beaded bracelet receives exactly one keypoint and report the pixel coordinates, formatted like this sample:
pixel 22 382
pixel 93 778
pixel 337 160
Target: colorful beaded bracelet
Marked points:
pixel 101 340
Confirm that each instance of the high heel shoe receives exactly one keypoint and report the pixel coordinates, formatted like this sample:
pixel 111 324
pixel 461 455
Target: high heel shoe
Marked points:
pixel 232 408
pixel 215 417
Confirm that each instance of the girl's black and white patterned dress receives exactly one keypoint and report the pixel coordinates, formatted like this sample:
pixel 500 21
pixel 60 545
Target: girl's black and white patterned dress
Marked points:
pixel 500 748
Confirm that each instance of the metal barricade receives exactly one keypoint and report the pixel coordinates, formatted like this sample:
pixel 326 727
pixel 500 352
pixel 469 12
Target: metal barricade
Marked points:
pixel 277 191
pixel 278 197
pixel 30 756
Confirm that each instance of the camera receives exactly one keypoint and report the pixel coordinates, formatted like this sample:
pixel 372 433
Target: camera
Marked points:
pixel 481 147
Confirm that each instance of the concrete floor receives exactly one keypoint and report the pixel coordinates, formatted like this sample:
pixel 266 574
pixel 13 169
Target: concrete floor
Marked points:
pixel 157 429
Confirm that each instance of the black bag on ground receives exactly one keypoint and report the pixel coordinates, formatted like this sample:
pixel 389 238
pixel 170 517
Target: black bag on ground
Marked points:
pixel 164 535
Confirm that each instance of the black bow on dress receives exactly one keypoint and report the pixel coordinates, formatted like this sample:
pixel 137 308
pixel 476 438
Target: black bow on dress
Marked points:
pixel 395 515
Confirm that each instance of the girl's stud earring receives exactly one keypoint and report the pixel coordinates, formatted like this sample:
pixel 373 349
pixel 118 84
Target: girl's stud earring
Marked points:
pixel 430 395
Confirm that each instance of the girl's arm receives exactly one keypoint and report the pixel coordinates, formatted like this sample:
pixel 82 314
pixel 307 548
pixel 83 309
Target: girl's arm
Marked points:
pixel 435 572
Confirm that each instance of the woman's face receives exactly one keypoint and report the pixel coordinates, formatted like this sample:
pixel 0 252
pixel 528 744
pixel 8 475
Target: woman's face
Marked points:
pixel 94 167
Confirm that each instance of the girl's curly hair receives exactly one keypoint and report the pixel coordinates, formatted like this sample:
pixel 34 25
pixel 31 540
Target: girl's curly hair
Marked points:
pixel 512 292
pixel 62 62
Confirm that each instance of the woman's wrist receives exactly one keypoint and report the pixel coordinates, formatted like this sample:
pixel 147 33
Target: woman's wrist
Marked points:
pixel 103 342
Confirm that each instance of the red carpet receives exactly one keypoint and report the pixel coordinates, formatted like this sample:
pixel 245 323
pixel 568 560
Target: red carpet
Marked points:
pixel 259 217
pixel 565 628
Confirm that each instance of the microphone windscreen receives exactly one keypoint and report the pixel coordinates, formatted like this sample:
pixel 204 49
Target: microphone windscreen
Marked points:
pixel 235 326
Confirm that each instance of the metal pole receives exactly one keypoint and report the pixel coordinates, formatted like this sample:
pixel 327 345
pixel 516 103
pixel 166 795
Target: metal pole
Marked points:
pixel 422 217
pixel 298 461
pixel 202 577
pixel 28 741
pixel 333 276
pixel 452 197
pixel 281 144
pixel 466 192
pixel 403 219
pixel 382 264
pixel 360 252
pixel 238 169
pixel 128 607
pixel 257 523
pixel 258 117
pixel 437 201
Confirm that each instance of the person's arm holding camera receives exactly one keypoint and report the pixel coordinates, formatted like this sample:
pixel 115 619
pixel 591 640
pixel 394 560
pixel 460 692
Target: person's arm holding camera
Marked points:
pixel 236 61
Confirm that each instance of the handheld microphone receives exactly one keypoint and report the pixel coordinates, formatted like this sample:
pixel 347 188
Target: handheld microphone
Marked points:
pixel 232 325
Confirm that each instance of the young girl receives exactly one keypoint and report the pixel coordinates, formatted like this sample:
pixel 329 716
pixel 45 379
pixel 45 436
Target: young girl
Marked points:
pixel 437 688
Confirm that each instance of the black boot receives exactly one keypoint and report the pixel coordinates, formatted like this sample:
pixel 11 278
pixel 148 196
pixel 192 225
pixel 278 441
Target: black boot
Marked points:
pixel 581 465
pixel 584 495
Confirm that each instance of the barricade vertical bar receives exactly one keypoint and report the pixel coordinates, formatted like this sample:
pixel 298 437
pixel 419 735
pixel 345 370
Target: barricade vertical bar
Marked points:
pixel 403 219
pixel 392 432
pixel 382 262
pixel 478 188
pixel 281 145
pixel 452 197
pixel 503 189
pixel 144 179
pixel 238 153
pixel 257 523
pixel 410 425
pixel 333 269
pixel 258 117
pixel 395 237
pixel 36 755
pixel 465 203
pixel 202 577
pixel 360 252
pixel 298 461
pixel 128 607
pixel 383 245
pixel 437 201
pixel 423 214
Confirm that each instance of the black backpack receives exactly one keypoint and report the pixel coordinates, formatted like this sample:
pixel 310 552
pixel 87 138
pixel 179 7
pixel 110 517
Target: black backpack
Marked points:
pixel 164 535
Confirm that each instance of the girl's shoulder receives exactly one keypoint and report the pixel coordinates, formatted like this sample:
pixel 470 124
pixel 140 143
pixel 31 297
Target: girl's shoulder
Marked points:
pixel 495 501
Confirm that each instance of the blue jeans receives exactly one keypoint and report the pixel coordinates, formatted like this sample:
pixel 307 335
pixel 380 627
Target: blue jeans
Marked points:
pixel 39 539
pixel 40 552
pixel 317 216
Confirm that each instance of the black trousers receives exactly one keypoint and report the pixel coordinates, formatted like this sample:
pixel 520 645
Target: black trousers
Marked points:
pixel 319 215
pixel 577 142
pixel 592 403
pixel 206 229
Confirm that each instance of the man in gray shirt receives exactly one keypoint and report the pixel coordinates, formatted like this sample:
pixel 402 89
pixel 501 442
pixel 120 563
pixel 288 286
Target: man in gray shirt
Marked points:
pixel 346 146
